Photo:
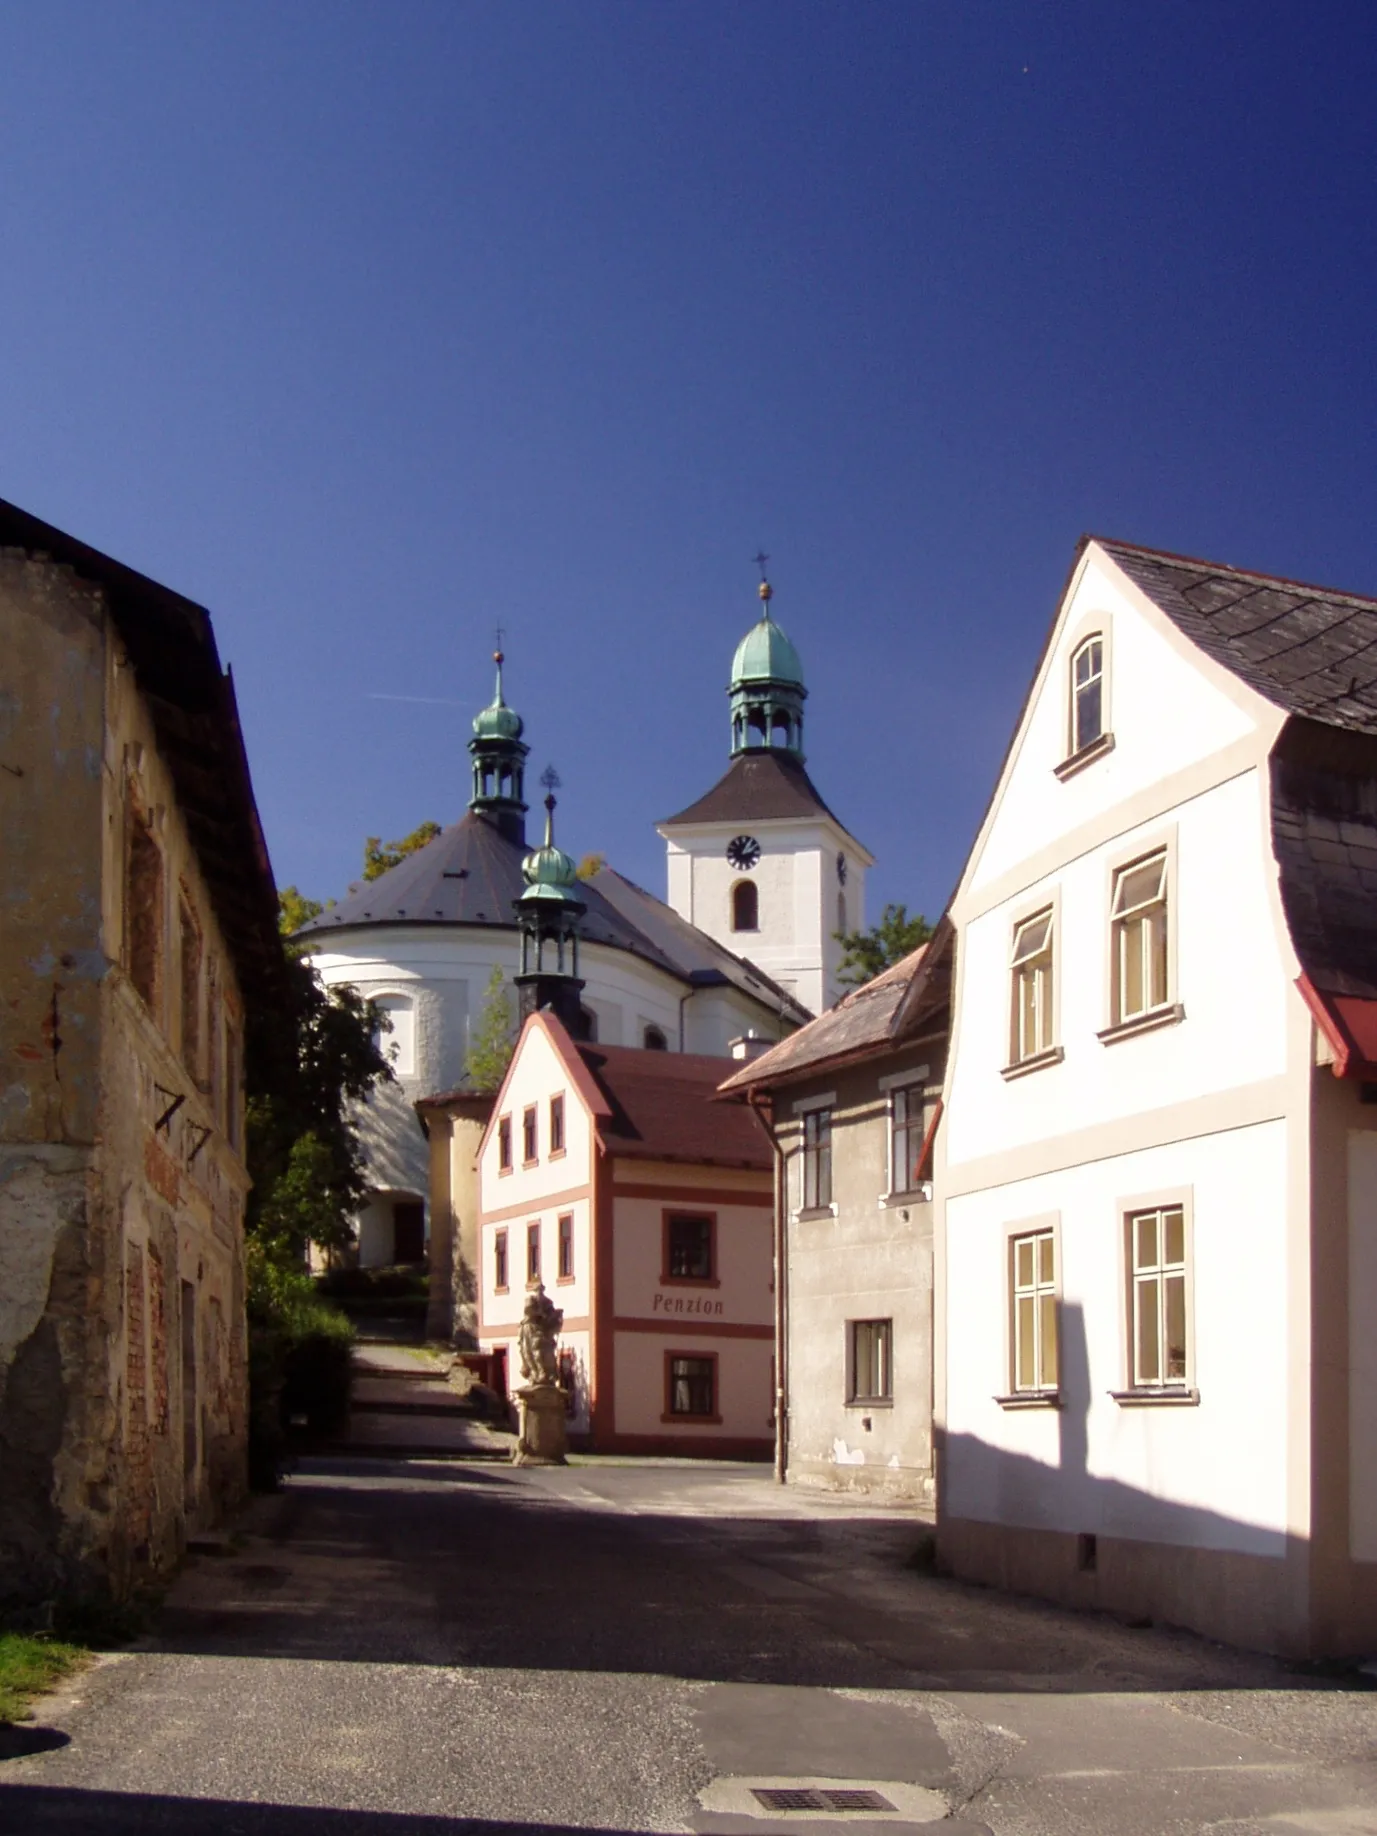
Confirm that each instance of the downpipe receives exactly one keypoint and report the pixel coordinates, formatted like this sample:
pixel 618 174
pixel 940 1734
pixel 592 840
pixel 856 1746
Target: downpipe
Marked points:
pixel 781 1294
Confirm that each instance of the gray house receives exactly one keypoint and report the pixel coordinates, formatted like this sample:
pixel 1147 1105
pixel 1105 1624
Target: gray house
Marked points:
pixel 852 1102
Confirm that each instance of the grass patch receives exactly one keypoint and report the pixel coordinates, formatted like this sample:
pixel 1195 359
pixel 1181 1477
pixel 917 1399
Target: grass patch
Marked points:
pixel 29 1666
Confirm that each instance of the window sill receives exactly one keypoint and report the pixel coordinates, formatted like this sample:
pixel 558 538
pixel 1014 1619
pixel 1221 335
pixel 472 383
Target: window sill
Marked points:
pixel 714 1421
pixel 900 1201
pixel 1177 1397
pixel 870 1402
pixel 504 1172
pixel 1086 756
pixel 1038 1062
pixel 565 1281
pixel 526 1165
pixel 504 1289
pixel 1171 1015
pixel 814 1211
pixel 557 1153
pixel 690 1281
pixel 1031 1399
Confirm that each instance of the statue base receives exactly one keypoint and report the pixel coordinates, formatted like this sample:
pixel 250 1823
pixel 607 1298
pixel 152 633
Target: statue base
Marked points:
pixel 543 1435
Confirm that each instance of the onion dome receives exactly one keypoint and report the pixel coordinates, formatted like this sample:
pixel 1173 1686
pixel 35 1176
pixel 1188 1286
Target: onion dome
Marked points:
pixel 550 874
pixel 766 654
pixel 498 721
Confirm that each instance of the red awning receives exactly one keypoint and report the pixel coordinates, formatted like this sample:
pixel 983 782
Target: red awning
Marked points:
pixel 1349 1023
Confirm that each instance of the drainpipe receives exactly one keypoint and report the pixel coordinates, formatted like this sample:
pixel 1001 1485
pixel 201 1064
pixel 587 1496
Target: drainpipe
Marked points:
pixel 781 1296
pixel 683 1003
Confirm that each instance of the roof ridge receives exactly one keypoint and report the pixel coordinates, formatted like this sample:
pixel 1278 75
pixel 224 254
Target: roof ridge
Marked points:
pixel 1111 543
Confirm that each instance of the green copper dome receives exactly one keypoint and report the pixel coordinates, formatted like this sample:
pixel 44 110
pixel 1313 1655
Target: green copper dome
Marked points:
pixel 765 654
pixel 498 721
pixel 548 871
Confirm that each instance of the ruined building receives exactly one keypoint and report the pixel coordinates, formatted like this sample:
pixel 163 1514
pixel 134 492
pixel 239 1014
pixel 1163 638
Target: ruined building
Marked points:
pixel 137 921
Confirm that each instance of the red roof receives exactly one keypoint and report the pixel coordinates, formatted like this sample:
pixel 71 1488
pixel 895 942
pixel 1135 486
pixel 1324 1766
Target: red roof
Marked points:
pixel 662 1109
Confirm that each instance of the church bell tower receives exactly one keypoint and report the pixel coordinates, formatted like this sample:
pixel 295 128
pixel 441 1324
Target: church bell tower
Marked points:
pixel 547 918
pixel 760 862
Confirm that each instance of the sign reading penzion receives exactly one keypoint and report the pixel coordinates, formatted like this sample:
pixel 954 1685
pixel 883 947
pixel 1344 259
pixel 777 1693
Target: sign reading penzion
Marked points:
pixel 681 1303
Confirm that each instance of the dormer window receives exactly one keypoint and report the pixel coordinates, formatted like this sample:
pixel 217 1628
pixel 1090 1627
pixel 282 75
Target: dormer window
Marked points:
pixel 1087 694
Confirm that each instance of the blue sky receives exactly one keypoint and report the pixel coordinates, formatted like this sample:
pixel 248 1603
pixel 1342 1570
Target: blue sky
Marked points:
pixel 371 326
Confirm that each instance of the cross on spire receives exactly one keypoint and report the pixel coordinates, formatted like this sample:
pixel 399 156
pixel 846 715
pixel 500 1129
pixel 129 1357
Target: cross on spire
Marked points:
pixel 760 561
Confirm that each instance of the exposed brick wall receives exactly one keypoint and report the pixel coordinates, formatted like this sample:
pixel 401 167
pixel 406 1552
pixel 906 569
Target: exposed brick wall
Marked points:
pixel 138 1453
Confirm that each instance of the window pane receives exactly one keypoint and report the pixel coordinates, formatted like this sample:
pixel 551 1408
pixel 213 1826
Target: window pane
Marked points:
pixel 1045 1263
pixel 1027 1017
pixel 1027 1344
pixel 1174 1232
pixel 690 1248
pixel 1149 1368
pixel 1140 885
pixel 1088 719
pixel 1175 1298
pixel 1131 937
pixel 1157 946
pixel 1031 937
pixel 1023 1253
pixel 1047 1341
pixel 1145 1255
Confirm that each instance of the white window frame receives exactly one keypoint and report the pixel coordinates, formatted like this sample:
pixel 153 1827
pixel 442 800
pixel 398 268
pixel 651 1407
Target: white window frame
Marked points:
pixel 1139 918
pixel 1040 968
pixel 1097 673
pixel 1151 1275
pixel 1040 1287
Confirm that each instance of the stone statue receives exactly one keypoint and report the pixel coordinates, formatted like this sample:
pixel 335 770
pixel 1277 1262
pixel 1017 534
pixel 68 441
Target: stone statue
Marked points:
pixel 535 1341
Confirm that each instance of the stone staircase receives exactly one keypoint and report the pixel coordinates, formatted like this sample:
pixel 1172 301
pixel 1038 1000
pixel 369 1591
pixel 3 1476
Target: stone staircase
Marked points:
pixel 406 1406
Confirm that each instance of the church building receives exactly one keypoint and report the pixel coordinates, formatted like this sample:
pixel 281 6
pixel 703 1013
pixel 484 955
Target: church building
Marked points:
pixel 760 875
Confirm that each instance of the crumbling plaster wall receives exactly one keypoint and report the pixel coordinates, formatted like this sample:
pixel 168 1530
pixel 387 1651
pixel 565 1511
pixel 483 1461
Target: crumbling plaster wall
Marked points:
pixel 104 1214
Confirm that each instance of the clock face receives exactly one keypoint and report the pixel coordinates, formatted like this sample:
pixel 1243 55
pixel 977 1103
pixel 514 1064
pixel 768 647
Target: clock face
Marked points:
pixel 841 868
pixel 743 851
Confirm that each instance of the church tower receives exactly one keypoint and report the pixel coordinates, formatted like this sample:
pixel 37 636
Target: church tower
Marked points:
pixel 547 918
pixel 760 863
pixel 499 764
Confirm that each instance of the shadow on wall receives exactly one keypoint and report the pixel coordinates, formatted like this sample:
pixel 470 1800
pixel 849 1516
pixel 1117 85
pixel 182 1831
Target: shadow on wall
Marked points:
pixel 1056 1529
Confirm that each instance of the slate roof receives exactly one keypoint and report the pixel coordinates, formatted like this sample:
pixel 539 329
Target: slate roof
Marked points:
pixel 190 698
pixel 1324 835
pixel 662 1109
pixel 873 1018
pixel 756 786
pixel 470 874
pixel 1310 650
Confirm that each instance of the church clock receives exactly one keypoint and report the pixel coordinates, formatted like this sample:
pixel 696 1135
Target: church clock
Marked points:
pixel 743 851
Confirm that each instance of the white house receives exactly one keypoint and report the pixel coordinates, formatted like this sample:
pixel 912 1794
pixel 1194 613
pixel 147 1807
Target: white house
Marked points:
pixel 1156 1183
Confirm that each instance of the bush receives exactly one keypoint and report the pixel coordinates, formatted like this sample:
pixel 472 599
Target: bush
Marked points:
pixel 298 1359
pixel 398 1282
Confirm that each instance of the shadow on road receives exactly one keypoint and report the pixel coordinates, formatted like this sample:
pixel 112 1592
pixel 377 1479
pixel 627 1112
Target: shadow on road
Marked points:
pixel 33 1809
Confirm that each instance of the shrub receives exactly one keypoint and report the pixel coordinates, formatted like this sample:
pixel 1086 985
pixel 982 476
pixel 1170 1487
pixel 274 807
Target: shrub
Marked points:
pixel 298 1359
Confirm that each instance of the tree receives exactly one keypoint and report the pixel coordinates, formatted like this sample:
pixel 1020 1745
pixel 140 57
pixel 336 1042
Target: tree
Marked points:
pixel 378 860
pixel 494 1038
pixel 310 1059
pixel 294 909
pixel 590 865
pixel 866 954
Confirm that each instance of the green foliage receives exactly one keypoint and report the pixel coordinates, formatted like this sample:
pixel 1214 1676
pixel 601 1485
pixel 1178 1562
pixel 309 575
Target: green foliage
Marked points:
pixel 590 865
pixel 29 1666
pixel 294 909
pixel 379 859
pixel 299 1349
pixel 494 1038
pixel 867 954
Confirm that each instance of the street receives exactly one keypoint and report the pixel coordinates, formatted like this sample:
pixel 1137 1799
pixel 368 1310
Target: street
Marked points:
pixel 418 1647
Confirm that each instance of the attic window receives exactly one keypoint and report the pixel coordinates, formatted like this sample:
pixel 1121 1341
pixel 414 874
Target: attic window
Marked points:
pixel 1087 693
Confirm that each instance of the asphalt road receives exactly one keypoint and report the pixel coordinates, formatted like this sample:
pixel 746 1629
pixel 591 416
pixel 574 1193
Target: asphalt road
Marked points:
pixel 423 1649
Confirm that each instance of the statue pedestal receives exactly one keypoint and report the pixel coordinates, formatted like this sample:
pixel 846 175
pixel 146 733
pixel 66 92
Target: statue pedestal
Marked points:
pixel 543 1437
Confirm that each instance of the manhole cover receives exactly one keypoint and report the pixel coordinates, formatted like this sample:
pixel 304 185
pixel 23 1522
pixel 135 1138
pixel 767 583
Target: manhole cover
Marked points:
pixel 817 1798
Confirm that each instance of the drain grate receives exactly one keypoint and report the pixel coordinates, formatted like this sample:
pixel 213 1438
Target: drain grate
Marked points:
pixel 811 1798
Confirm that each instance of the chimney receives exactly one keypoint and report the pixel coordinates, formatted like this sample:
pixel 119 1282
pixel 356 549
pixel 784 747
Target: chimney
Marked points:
pixel 749 1045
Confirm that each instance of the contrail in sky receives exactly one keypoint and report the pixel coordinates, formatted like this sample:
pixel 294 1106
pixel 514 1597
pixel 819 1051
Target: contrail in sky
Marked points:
pixel 435 701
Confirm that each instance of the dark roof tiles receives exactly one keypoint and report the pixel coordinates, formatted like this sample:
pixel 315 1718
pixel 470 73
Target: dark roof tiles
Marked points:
pixel 757 786
pixel 662 1109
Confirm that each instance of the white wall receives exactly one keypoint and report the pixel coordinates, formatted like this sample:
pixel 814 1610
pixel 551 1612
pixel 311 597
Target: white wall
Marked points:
pixel 1362 1343
pixel 1212 1476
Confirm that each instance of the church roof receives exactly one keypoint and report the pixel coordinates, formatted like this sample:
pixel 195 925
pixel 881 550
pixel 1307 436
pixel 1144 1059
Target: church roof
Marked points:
pixel 759 784
pixel 471 874
pixel 766 654
pixel 661 1108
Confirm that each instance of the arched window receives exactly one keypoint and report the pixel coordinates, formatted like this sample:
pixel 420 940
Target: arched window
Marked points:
pixel 399 1045
pixel 588 1025
pixel 1087 693
pixel 745 906
pixel 654 1040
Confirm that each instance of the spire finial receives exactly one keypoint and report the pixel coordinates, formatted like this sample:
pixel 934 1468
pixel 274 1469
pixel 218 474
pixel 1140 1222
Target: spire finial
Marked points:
pixel 550 779
pixel 499 659
pixel 765 590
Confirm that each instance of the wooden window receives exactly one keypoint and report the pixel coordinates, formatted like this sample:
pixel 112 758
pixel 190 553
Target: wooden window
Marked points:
pixel 907 1137
pixel 1087 693
pixel 1139 940
pixel 1031 1005
pixel 499 1262
pixel 566 1246
pixel 143 909
pixel 691 1387
pixel 817 1159
pixel 1160 1354
pixel 533 1254
pixel 504 1144
pixel 871 1359
pixel 690 1246
pixel 191 953
pixel 1033 1289
pixel 530 1139
pixel 556 1125
pixel 745 906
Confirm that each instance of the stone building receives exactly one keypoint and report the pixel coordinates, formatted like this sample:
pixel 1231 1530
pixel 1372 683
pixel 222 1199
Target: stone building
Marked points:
pixel 139 920
pixel 853 1102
